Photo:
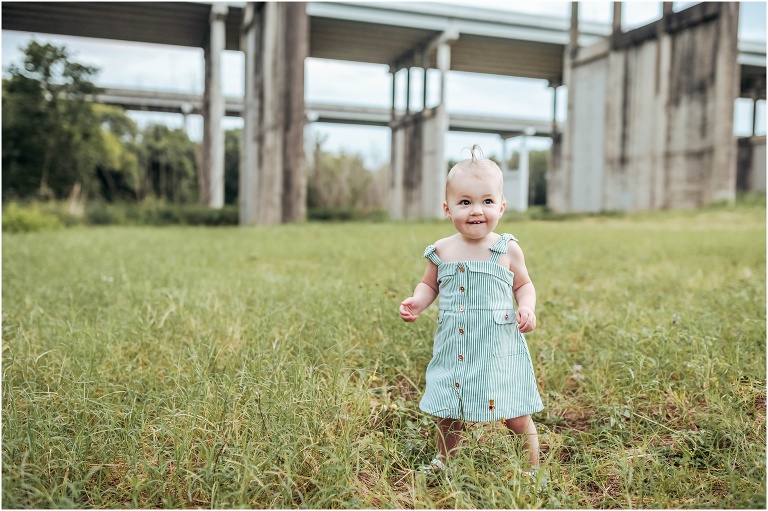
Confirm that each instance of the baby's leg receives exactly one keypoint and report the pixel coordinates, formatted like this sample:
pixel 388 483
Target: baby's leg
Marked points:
pixel 524 426
pixel 448 436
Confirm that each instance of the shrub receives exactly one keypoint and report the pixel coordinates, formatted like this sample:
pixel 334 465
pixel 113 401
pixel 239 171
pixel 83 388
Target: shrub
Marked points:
pixel 28 219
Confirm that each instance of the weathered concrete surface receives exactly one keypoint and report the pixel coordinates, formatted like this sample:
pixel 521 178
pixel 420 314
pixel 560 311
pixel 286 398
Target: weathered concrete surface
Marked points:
pixel 273 165
pixel 211 175
pixel 751 169
pixel 650 116
pixel 417 188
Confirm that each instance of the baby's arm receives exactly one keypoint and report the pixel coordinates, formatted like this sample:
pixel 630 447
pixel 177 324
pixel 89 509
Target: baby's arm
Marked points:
pixel 525 293
pixel 424 294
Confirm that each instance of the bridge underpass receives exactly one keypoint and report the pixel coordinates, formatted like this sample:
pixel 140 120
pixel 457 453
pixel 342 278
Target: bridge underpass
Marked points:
pixel 504 127
pixel 401 35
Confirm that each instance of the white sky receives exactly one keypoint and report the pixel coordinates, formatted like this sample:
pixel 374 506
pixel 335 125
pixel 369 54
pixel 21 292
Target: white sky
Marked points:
pixel 178 69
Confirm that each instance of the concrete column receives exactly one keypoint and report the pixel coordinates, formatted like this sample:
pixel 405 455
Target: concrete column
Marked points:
pixel 755 96
pixel 273 171
pixel 574 29
pixel 424 85
pixel 294 158
pixel 211 175
pixel 250 43
pixel 443 64
pixel 504 165
pixel 616 17
pixel 393 112
pixel 554 108
pixel 523 173
pixel 407 90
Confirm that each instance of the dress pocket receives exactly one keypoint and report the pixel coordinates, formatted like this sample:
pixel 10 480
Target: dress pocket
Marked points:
pixel 509 340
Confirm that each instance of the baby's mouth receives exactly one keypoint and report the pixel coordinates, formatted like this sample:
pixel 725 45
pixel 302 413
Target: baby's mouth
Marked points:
pixel 476 222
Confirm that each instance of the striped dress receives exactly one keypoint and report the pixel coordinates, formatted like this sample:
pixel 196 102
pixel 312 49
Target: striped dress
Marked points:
pixel 481 369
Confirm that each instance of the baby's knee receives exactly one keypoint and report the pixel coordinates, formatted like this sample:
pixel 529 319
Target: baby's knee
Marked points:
pixel 519 424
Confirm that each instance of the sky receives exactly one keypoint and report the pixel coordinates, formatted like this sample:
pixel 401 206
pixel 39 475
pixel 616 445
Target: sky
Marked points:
pixel 178 69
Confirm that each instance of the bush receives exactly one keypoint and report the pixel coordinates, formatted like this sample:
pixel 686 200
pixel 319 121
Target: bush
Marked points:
pixel 331 214
pixel 28 219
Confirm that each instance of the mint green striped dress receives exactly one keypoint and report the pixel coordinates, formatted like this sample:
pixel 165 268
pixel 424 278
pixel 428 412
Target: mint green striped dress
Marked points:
pixel 481 369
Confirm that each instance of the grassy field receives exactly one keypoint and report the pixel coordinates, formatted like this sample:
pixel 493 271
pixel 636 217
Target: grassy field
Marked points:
pixel 267 367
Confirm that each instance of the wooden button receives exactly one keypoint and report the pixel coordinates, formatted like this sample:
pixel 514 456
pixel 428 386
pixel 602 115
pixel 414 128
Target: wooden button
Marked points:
pixel 461 358
pixel 461 309
pixel 461 269
pixel 461 331
pixel 506 316
pixel 461 289
pixel 457 385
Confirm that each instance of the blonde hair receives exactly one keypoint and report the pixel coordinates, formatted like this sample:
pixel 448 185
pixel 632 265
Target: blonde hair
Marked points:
pixel 482 168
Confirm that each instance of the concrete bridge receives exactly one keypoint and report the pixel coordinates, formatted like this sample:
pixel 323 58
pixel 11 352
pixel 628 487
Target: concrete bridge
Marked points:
pixel 627 78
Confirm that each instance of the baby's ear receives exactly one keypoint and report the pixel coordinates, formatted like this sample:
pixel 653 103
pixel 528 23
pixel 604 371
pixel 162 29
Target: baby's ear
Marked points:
pixel 446 210
pixel 503 204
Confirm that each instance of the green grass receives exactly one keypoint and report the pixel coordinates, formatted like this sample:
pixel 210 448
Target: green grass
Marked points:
pixel 267 367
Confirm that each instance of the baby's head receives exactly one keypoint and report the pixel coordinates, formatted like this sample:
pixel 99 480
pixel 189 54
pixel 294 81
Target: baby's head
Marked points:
pixel 481 168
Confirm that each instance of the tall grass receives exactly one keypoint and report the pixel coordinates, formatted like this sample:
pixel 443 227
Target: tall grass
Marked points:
pixel 267 367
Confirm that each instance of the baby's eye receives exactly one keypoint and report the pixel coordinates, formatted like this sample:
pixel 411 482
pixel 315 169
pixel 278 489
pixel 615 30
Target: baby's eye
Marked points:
pixel 488 201
pixel 464 202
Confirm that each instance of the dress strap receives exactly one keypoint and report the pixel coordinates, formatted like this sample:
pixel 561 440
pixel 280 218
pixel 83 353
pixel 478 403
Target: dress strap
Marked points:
pixel 501 246
pixel 430 254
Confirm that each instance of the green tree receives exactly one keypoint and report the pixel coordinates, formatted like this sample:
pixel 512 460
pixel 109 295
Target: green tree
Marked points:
pixel 118 152
pixel 49 125
pixel 231 165
pixel 169 160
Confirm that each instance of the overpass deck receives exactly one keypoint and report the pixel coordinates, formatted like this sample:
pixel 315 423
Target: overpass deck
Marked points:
pixel 391 33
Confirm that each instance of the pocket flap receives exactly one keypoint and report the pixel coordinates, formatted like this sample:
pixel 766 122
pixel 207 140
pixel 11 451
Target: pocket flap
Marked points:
pixel 504 317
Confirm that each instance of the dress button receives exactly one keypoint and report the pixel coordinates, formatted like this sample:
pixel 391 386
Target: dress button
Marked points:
pixel 461 358
pixel 461 309
pixel 461 289
pixel 457 385
pixel 461 331
pixel 461 269
pixel 506 317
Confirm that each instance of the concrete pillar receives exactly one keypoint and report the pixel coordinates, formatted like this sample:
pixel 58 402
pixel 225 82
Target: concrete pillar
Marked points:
pixel 250 43
pixel 523 173
pixel 396 149
pixel 211 175
pixel 554 108
pixel 573 34
pixel 616 17
pixel 504 164
pixel 273 171
pixel 407 90
pixel 424 84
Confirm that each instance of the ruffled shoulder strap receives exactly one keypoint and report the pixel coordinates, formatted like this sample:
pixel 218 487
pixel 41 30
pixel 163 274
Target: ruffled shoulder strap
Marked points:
pixel 429 253
pixel 501 246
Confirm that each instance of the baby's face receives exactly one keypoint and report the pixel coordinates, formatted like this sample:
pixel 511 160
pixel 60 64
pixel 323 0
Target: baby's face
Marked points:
pixel 474 205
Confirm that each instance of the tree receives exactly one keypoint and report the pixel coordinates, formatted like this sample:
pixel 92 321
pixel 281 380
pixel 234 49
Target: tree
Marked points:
pixel 169 161
pixel 231 165
pixel 340 186
pixel 48 124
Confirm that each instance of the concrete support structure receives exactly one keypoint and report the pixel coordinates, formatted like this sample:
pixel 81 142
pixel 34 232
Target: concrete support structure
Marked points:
pixel 516 182
pixel 750 169
pixel 418 166
pixel 211 175
pixel 275 39
pixel 650 115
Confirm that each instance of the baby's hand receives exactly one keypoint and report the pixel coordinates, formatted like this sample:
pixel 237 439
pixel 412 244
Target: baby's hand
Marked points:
pixel 526 319
pixel 409 310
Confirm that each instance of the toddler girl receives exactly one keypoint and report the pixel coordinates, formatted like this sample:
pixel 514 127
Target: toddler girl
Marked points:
pixel 481 369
